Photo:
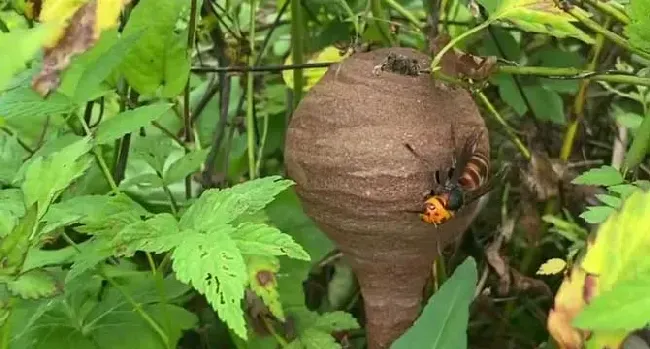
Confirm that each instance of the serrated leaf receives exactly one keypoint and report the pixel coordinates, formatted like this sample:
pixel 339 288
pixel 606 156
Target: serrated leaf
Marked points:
pixel 610 200
pixel 37 258
pixel 47 177
pixel 158 234
pixel 96 72
pixel 33 285
pixel 23 102
pixel 215 207
pixel 443 323
pixel 262 239
pixel 213 265
pixel 639 28
pixel 605 175
pixel 335 321
pixel 597 214
pixel 625 307
pixel 153 149
pixel 11 158
pixel 539 16
pixel 552 266
pixel 262 281
pixel 72 211
pixel 111 217
pixel 129 121
pixel 186 165
pixel 160 58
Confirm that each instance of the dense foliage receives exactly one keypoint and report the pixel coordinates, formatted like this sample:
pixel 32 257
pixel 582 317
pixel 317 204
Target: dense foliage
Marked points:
pixel 143 201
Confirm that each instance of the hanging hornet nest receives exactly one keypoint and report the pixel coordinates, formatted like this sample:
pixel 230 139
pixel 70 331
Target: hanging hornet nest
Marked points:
pixel 345 149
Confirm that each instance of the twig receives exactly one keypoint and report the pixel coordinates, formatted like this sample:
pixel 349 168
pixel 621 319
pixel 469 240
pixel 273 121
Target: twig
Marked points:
pixel 250 96
pixel 187 115
pixel 266 68
pixel 620 145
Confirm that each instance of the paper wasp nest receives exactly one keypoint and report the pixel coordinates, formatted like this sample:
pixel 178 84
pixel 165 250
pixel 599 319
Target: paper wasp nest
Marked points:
pixel 356 180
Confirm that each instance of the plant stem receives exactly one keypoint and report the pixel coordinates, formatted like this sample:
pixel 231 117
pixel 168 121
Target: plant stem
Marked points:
pixel 260 151
pixel 579 102
pixel 297 49
pixel 610 10
pixel 404 12
pixel 250 100
pixel 454 41
pixel 513 136
pixel 615 38
pixel 187 117
pixel 572 73
pixel 99 158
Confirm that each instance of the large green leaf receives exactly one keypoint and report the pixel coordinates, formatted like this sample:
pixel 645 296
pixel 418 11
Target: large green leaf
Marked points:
pixel 639 28
pixel 539 16
pixel 213 265
pixel 605 175
pixel 160 57
pixel 46 177
pixel 97 71
pixel 23 102
pixel 216 207
pixel 186 165
pixel 34 284
pixel 262 239
pixel 443 323
pixel 129 121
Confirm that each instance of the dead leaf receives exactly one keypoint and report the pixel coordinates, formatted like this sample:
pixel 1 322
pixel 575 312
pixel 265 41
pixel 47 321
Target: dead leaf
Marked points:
pixel 569 301
pixel 461 65
pixel 83 25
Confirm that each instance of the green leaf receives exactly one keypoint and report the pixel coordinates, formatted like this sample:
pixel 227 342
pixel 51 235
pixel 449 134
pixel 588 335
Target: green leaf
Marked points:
pixel 335 321
pixel 90 255
pixel 640 144
pixel 33 285
pixel 625 307
pixel 147 180
pixel 216 207
pixel 129 121
pixel 46 177
pixel 97 71
pixel 443 323
pixel 18 47
pixel 158 234
pixel 547 105
pixel 113 216
pixel 188 164
pixel 37 258
pixel 11 158
pixel 73 210
pixel 605 175
pixel 153 149
pixel 262 239
pixel 624 190
pixel 639 28
pixel 314 339
pixel 262 281
pixel 24 102
pixel 11 208
pixel 610 200
pixel 160 57
pixel 213 265
pixel 597 214
pixel 630 120
pixel 539 16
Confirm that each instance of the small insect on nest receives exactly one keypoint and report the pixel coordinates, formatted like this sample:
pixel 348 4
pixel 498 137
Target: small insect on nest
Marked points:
pixel 345 149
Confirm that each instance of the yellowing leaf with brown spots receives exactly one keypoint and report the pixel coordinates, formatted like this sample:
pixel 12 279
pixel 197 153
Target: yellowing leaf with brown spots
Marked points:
pixel 261 276
pixel 79 25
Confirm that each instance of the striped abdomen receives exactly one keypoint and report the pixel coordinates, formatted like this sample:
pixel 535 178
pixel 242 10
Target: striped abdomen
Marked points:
pixel 475 173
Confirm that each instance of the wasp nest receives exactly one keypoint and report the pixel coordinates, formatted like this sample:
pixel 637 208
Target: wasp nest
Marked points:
pixel 356 179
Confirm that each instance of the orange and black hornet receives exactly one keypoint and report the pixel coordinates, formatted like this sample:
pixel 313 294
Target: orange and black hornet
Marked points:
pixel 465 182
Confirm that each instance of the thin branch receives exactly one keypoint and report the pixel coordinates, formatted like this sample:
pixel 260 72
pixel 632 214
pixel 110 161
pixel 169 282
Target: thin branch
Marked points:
pixel 265 68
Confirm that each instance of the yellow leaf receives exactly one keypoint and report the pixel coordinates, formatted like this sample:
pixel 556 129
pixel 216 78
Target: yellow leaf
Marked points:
pixel 569 300
pixel 552 266
pixel 79 25
pixel 313 75
pixel 108 13
pixel 261 276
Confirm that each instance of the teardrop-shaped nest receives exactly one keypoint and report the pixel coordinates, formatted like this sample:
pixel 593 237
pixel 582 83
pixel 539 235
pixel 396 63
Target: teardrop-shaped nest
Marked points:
pixel 356 179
